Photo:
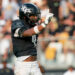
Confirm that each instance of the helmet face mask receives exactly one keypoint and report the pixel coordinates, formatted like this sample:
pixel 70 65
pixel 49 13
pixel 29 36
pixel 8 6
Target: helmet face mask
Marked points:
pixel 29 10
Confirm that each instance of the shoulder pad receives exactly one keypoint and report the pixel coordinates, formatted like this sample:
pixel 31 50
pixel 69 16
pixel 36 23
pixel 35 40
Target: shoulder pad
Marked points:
pixel 17 24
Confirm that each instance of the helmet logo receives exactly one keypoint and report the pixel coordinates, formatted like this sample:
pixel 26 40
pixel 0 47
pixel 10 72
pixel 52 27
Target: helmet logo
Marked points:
pixel 25 9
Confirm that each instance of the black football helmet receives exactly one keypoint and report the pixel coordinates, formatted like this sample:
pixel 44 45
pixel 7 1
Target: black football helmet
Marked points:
pixel 27 10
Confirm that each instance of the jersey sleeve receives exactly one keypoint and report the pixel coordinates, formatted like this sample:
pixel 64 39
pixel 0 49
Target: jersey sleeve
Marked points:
pixel 18 28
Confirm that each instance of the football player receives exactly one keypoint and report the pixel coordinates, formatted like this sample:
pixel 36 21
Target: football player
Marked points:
pixel 24 37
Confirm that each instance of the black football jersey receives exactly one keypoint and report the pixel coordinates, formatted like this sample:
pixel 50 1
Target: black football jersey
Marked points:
pixel 23 46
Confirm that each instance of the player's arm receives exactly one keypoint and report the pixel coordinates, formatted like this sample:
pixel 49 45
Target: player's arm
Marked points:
pixel 35 29
pixel 32 31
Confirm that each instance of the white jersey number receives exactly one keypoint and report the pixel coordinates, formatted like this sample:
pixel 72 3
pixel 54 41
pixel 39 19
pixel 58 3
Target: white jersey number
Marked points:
pixel 34 40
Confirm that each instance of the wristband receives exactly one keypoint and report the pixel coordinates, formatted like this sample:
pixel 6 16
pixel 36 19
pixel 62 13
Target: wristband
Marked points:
pixel 36 30
pixel 43 25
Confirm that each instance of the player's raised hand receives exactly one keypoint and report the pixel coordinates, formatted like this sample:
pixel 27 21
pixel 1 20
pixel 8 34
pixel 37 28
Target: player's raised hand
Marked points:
pixel 47 19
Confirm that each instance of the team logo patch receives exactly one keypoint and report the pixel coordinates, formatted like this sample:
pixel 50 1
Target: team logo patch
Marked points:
pixel 25 9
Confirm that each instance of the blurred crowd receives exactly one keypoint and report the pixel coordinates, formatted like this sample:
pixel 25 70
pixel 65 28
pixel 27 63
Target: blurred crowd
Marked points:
pixel 60 31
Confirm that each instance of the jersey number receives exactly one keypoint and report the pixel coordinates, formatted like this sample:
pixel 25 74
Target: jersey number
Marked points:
pixel 34 40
